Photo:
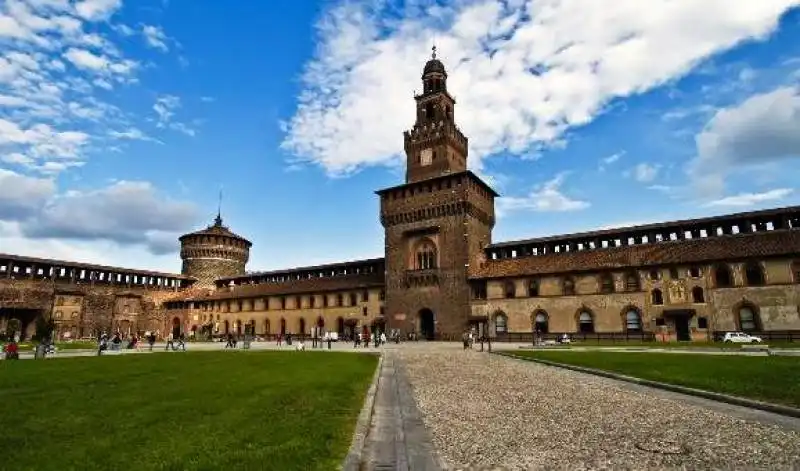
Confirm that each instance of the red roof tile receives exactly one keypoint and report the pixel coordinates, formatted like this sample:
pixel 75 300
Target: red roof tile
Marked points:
pixel 731 247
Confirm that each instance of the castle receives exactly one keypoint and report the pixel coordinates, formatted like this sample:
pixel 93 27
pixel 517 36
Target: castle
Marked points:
pixel 441 273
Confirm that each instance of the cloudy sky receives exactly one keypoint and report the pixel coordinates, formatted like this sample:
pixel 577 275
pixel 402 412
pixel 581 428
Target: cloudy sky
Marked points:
pixel 120 120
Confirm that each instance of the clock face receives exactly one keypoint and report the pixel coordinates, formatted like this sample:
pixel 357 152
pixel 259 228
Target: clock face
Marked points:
pixel 426 157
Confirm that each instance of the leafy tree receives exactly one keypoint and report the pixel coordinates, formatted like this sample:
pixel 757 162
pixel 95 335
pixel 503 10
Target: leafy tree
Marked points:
pixel 44 328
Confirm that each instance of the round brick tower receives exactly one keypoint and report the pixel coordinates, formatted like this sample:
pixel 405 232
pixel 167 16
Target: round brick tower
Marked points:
pixel 212 253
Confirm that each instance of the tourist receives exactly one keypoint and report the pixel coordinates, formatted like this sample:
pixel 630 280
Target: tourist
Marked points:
pixel 116 341
pixel 383 338
pixel 11 350
pixel 465 339
pixel 356 340
pixel 103 344
pixel 151 339
pixel 182 341
pixel 170 342
pixel 280 339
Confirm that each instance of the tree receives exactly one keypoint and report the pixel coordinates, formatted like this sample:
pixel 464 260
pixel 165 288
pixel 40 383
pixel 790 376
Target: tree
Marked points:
pixel 44 328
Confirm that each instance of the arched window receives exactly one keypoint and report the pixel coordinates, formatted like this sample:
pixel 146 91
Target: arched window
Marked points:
pixel 353 299
pixel 722 276
pixel 339 300
pixel 748 318
pixel 697 295
pixel 302 326
pixel 425 255
pixel 510 289
pixel 568 286
pixel 540 322
pixel 312 300
pixel 533 288
pixel 606 283
pixel 657 297
pixel 753 274
pixel 266 326
pixel 500 323
pixel 631 281
pixel 585 322
pixel 283 326
pixel 633 320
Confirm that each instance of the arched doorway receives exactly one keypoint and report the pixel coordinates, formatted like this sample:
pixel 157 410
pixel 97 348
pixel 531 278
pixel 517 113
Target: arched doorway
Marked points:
pixel 283 326
pixel 238 327
pixel 426 324
pixel 227 327
pixel 320 322
pixel 340 326
pixel 302 326
pixel 379 326
pixel 176 327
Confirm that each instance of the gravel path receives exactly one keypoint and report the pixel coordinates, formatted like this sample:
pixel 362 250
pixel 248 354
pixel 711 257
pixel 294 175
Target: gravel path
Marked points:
pixel 490 412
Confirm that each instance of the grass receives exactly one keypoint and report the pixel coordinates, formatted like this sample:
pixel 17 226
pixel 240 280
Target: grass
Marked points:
pixel 657 344
pixel 766 378
pixel 182 411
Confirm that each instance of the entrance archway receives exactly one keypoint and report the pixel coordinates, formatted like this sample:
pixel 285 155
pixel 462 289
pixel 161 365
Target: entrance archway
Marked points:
pixel 283 327
pixel 176 327
pixel 426 324
pixel 340 326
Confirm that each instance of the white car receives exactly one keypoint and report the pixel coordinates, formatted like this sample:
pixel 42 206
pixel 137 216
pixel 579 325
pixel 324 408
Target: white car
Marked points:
pixel 740 337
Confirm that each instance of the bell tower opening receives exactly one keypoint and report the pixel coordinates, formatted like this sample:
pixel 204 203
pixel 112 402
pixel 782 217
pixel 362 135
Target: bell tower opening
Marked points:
pixel 435 146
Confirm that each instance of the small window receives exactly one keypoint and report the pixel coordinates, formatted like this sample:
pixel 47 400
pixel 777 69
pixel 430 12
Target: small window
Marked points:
pixel 606 283
pixel 364 310
pixel 501 323
pixel 660 322
pixel 353 299
pixel 510 289
pixel 633 320
pixel 754 274
pixel 533 288
pixel 722 276
pixel 698 296
pixel 298 303
pixel 748 319
pixel 657 297
pixel 585 322
pixel 339 300
pixel 702 323
pixel 695 272
pixel 365 296
pixel 311 301
pixel 631 282
pixel 479 290
pixel 655 275
pixel 674 274
pixel 568 287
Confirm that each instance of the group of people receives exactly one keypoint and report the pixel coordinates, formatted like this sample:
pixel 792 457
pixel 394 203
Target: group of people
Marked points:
pixel 115 342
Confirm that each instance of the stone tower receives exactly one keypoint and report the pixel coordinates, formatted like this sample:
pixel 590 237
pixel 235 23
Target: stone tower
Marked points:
pixel 212 253
pixel 437 223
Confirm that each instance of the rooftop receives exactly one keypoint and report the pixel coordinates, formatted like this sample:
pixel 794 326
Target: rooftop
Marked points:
pixel 88 266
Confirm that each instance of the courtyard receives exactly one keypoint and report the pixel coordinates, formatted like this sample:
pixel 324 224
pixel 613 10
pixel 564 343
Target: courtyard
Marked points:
pixel 436 406
pixel 202 410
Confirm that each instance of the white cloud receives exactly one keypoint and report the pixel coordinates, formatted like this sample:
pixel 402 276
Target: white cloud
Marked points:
pixel 155 37
pixel 125 212
pixel 752 199
pixel 133 134
pixel 761 130
pixel 645 172
pixel 96 10
pixel 524 71
pixel 165 107
pixel 611 159
pixel 546 197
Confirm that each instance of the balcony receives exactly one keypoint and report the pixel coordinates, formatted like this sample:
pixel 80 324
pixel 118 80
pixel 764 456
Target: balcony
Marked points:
pixel 422 278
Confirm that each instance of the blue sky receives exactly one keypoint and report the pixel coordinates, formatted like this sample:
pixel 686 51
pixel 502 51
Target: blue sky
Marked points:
pixel 120 120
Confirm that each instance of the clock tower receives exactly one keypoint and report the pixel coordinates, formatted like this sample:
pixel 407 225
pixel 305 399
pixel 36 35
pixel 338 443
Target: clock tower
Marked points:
pixel 436 223
pixel 434 146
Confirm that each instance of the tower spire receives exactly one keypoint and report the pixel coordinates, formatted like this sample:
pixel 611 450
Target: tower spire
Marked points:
pixel 433 51
pixel 218 220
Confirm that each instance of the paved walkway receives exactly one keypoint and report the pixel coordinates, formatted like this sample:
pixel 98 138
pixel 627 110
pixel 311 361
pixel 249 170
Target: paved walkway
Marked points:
pixel 491 412
pixel 397 439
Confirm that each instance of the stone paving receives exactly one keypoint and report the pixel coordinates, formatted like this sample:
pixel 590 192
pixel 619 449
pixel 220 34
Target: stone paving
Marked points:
pixel 490 412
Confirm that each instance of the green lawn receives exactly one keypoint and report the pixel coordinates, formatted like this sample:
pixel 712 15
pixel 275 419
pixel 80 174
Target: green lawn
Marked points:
pixel 656 344
pixel 182 411
pixel 767 378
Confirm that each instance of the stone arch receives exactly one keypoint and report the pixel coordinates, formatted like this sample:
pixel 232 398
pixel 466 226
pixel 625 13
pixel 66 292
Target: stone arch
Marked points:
pixel 723 277
pixel 657 297
pixel 747 316
pixel 427 323
pixel 540 321
pixel 754 274
pixel 584 320
pixel 500 322
pixel 631 317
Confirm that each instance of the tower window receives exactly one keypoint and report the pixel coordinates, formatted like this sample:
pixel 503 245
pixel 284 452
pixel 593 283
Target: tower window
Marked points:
pixel 429 111
pixel 425 255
